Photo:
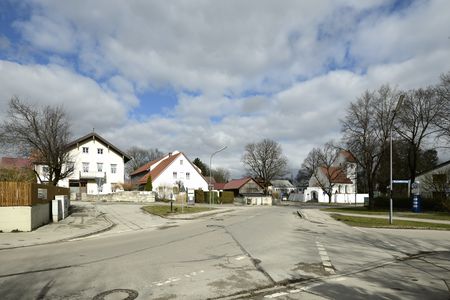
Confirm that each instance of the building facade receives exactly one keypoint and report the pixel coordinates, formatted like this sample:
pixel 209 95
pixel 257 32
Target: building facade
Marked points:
pixel 98 166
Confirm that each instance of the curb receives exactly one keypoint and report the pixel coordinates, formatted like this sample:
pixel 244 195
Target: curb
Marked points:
pixel 207 214
pixel 108 227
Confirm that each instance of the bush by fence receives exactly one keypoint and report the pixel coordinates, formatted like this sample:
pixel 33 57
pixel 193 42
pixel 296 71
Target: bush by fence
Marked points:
pixel 216 198
pixel 28 194
pixel 406 203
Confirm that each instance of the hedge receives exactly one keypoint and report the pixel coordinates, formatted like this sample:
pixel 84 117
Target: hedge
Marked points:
pixel 406 203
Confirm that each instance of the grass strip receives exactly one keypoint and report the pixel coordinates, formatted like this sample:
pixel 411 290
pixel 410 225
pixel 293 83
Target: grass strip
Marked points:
pixel 405 214
pixel 384 223
pixel 164 210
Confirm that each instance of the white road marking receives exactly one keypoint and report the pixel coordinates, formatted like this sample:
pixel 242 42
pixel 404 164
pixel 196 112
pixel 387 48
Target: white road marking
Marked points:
pixel 276 295
pixel 240 258
pixel 326 262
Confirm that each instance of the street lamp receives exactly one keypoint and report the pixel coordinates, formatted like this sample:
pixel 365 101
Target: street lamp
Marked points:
pixel 210 170
pixel 399 103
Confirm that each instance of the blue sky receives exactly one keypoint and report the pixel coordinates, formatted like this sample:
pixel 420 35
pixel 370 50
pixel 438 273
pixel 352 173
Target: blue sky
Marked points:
pixel 196 75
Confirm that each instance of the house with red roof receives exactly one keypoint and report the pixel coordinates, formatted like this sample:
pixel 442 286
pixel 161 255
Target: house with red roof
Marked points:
pixel 243 187
pixel 171 170
pixel 340 177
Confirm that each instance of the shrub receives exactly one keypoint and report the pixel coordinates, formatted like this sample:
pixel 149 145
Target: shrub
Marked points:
pixel 227 197
pixel 199 196
pixel 128 186
pixel 149 185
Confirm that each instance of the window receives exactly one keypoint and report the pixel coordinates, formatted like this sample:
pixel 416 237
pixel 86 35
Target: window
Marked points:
pixel 188 175
pixel 174 175
pixel 99 167
pixel 45 170
pixel 113 168
pixel 99 151
pixel 181 162
pixel 85 150
pixel 85 167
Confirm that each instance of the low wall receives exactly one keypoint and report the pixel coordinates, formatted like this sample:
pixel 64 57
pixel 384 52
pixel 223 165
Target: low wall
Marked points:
pixel 125 196
pixel 259 200
pixel 24 218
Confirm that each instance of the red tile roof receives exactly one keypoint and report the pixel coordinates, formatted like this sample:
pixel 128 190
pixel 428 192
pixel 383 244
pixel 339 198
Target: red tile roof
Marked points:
pixel 236 184
pixel 145 167
pixel 348 156
pixel 164 163
pixel 15 162
pixel 336 175
pixel 219 185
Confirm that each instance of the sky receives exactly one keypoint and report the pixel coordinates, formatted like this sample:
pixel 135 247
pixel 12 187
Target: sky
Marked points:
pixel 197 75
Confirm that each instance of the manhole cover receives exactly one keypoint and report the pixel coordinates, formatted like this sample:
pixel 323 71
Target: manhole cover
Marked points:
pixel 117 294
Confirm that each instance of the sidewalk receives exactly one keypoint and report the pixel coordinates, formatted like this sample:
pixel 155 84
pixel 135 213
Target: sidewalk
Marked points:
pixel 85 220
pixel 89 218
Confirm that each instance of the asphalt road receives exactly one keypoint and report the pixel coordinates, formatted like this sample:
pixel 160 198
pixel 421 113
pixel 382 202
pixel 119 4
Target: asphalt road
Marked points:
pixel 255 252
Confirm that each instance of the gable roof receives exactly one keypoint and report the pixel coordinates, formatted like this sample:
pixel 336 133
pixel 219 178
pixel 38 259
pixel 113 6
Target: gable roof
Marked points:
pixel 145 167
pixel 163 164
pixel 283 183
pixel 348 156
pixel 219 185
pixel 236 184
pixel 336 174
pixel 445 163
pixel 94 136
pixel 15 162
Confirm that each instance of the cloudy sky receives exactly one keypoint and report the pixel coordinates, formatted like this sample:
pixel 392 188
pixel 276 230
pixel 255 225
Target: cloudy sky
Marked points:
pixel 196 75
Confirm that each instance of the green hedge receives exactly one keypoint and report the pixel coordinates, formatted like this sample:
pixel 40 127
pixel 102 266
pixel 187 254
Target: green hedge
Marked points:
pixel 406 203
pixel 199 196
pixel 227 197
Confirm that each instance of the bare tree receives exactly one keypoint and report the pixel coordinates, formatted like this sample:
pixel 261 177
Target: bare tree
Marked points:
pixel 140 157
pixel 265 161
pixel 41 133
pixel 366 129
pixel 221 175
pixel 443 92
pixel 418 120
pixel 320 164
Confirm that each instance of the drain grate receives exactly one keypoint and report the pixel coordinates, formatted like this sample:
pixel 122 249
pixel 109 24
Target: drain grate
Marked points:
pixel 129 294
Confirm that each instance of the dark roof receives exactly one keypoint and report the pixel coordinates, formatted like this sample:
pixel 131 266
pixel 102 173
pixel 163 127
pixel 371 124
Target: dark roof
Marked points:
pixel 95 136
pixel 435 168
pixel 15 162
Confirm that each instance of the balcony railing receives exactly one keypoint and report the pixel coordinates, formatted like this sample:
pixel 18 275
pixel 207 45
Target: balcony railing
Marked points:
pixel 92 175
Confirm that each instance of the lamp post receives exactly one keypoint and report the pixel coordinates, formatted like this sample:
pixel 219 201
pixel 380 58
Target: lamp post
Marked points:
pixel 210 170
pixel 399 103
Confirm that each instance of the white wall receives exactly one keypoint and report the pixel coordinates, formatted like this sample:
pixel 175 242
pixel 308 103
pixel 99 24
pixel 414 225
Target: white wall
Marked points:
pixel 23 218
pixel 108 158
pixel 335 198
pixel 196 181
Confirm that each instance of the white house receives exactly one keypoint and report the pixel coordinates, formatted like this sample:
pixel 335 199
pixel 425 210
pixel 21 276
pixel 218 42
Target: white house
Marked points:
pixel 342 176
pixel 435 181
pixel 99 166
pixel 169 171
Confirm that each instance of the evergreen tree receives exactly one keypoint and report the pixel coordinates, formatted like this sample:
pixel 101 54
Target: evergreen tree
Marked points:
pixel 149 185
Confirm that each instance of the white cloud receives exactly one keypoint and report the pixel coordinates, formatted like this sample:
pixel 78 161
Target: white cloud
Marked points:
pixel 260 69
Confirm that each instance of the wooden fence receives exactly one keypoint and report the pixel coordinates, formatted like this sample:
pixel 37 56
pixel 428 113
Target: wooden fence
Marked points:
pixel 28 194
